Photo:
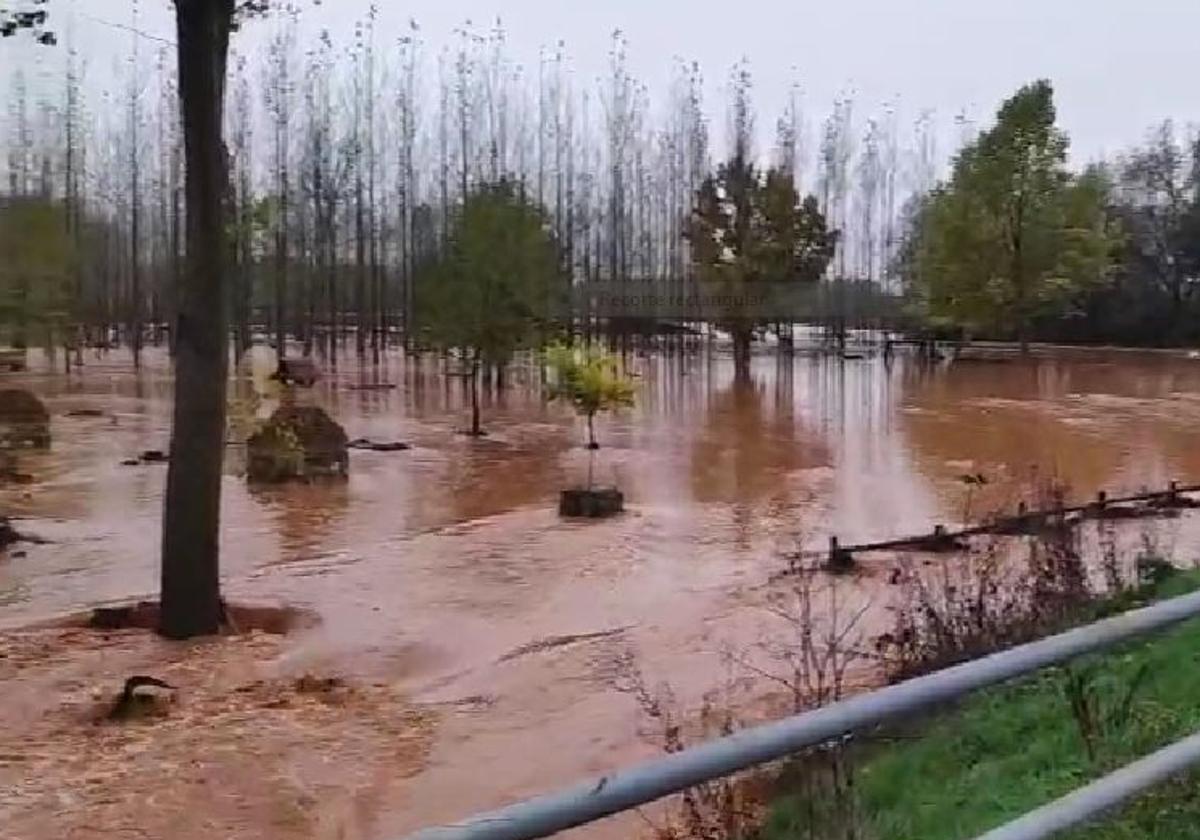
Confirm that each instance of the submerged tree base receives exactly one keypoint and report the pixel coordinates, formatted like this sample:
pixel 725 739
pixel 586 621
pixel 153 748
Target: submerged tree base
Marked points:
pixel 238 618
pixel 24 420
pixel 592 504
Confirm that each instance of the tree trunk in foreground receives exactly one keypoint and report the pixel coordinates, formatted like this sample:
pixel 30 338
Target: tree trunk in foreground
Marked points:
pixel 191 598
pixel 476 429
pixel 742 336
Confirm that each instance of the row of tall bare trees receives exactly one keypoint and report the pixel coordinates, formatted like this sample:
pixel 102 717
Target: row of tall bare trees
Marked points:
pixel 346 161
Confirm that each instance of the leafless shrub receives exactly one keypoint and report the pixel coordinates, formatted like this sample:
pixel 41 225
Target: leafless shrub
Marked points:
pixel 810 658
pixel 821 641
pixel 988 599
pixel 723 809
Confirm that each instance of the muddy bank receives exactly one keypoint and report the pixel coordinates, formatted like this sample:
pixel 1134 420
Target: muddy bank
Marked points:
pixel 245 749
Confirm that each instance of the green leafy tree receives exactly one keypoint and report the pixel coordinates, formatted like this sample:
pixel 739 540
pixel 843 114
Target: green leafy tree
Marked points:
pixel 1013 235
pixel 497 287
pixel 795 243
pixel 36 294
pixel 748 227
pixel 590 380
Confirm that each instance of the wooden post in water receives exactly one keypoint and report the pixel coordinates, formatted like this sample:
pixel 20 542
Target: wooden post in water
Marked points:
pixel 840 560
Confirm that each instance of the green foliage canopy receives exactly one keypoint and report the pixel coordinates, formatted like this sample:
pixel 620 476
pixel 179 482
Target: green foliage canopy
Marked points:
pixel 498 286
pixel 37 266
pixel 588 378
pixel 750 226
pixel 1013 234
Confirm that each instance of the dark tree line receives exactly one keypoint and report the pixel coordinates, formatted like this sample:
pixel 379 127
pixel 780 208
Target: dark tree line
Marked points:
pixel 1153 297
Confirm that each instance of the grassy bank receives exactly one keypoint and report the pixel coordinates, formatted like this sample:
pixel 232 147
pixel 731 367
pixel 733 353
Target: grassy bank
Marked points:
pixel 1012 748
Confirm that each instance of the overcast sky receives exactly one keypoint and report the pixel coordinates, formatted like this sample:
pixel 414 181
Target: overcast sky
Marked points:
pixel 1118 65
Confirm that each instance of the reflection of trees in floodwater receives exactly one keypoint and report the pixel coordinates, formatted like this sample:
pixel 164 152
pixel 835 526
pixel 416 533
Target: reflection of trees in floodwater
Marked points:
pixel 304 515
pixel 1111 424
pixel 747 449
pixel 873 490
pixel 519 466
pixel 516 464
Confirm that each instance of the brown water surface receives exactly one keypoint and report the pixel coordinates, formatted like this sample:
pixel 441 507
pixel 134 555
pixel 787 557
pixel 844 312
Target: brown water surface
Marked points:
pixel 445 571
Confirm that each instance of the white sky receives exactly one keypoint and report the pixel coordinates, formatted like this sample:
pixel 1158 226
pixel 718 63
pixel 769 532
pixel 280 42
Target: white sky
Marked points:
pixel 1118 65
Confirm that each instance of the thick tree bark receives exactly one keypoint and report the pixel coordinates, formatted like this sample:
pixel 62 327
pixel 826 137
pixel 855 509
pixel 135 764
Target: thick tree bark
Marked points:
pixel 135 259
pixel 281 281
pixel 476 428
pixel 742 335
pixel 191 601
pixel 360 268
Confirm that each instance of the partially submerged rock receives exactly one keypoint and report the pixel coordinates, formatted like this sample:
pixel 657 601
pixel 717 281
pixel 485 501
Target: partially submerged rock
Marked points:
pixel 302 372
pixel 8 534
pixel 592 504
pixel 13 359
pixel 24 420
pixel 297 443
pixel 378 446
pixel 149 456
pixel 9 474
pixel 142 697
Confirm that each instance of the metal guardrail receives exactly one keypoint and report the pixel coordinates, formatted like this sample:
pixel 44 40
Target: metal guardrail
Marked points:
pixel 1102 795
pixel 652 780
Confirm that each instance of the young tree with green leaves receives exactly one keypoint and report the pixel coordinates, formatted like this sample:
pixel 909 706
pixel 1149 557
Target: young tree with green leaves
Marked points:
pixel 1013 234
pixel 498 285
pixel 590 380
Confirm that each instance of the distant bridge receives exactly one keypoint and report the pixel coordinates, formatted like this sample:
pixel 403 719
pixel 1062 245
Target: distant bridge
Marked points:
pixel 680 302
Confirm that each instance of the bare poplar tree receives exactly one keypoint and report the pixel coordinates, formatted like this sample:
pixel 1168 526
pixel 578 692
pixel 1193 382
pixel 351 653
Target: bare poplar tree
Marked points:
pixel 619 106
pixel 408 111
pixel 278 95
pixel 870 166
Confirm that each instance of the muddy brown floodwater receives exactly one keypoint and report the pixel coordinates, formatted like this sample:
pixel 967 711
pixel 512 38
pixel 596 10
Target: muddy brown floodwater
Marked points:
pixel 442 572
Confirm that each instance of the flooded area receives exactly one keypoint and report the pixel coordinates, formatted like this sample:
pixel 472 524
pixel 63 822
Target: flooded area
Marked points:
pixel 444 573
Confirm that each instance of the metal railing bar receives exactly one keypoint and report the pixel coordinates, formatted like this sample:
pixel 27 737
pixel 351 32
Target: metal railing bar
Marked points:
pixel 651 780
pixel 1101 795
